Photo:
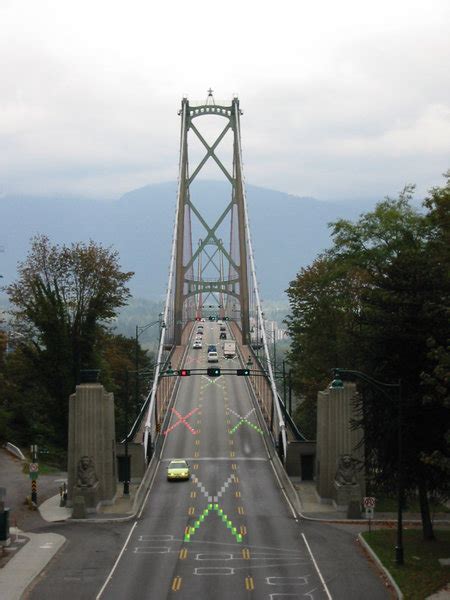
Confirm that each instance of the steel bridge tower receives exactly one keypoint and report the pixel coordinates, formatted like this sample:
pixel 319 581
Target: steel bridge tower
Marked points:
pixel 230 287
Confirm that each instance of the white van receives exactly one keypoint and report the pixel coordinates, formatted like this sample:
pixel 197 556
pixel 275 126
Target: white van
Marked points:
pixel 213 357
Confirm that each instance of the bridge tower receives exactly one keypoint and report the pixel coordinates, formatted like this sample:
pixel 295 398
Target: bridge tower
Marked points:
pixel 229 288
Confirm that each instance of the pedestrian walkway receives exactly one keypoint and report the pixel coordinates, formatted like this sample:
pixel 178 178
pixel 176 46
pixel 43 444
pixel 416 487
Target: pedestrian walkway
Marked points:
pixel 20 571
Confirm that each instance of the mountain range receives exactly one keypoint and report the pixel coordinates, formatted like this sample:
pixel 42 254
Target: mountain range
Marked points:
pixel 287 231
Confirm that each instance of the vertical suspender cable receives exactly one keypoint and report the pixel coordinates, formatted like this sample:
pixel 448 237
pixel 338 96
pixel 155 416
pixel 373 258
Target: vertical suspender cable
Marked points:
pixel 151 409
pixel 255 286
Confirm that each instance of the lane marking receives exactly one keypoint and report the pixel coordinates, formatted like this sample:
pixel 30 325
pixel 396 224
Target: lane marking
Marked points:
pixel 249 583
pixel 176 584
pixel 245 553
pixel 287 580
pixel 191 510
pixel 240 510
pixel 214 571
pixel 238 494
pixel 183 554
pixel 214 556
pixel 182 419
pixel 243 530
pixel 116 563
pixel 317 568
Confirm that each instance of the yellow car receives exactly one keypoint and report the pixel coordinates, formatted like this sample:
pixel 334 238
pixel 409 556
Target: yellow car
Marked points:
pixel 178 469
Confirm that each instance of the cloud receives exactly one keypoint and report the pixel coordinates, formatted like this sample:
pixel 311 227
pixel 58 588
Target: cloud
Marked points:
pixel 339 99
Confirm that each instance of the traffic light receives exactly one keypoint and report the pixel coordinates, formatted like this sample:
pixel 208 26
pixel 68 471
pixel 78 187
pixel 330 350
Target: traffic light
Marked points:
pixel 184 372
pixel 213 371
pixel 243 372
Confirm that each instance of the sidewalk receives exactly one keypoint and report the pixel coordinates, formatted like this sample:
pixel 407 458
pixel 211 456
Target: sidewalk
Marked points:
pixel 32 552
pixel 312 508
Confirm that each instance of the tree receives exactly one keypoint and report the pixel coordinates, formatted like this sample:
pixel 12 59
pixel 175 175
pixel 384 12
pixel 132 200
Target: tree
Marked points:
pixel 404 303
pixel 323 327
pixel 62 300
pixel 378 301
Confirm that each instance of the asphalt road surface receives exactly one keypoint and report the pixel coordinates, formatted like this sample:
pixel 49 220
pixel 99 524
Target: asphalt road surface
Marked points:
pixel 229 532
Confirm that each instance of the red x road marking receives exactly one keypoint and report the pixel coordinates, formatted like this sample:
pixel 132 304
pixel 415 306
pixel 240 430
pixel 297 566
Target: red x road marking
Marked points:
pixel 182 419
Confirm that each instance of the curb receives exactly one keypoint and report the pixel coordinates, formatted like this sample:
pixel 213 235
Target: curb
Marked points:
pixel 380 566
pixel 23 568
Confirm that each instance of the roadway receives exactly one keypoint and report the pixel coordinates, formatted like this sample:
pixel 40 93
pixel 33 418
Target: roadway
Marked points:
pixel 228 532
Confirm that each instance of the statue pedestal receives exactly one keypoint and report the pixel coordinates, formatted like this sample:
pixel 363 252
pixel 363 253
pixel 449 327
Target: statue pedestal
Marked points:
pixel 91 496
pixel 344 494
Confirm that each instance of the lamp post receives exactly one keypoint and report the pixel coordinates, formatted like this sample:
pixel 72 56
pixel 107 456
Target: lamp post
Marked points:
pixel 139 331
pixel 126 483
pixel 379 385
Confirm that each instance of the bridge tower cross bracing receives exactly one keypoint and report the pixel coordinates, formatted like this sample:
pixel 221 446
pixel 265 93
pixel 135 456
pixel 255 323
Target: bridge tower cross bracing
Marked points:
pixel 231 281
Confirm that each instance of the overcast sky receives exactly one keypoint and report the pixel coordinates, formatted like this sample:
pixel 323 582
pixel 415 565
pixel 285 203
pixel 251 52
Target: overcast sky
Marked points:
pixel 347 99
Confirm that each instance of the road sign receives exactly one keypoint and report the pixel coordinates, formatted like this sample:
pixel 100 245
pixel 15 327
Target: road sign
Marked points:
pixel 369 502
pixel 369 512
pixel 34 467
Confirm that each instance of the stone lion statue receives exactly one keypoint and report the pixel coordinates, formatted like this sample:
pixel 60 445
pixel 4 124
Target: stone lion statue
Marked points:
pixel 86 475
pixel 346 471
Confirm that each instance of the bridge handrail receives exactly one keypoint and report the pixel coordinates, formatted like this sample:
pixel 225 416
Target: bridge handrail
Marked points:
pixel 294 428
pixel 255 286
pixel 147 430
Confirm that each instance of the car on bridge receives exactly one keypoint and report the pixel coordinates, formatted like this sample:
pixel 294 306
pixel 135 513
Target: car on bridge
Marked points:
pixel 213 357
pixel 178 469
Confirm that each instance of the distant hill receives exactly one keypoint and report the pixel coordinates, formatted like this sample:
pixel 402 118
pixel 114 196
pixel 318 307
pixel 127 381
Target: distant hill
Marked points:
pixel 287 231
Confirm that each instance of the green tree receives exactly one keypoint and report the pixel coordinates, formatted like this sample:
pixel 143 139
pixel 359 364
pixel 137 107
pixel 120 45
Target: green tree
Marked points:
pixel 323 327
pixel 62 300
pixel 404 303
pixel 118 375
pixel 373 302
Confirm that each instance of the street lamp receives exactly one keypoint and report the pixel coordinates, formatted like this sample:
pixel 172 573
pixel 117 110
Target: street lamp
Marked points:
pixel 139 331
pixel 379 385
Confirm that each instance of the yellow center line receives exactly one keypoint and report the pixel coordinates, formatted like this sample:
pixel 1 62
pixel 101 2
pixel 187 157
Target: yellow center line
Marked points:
pixel 193 494
pixel 249 583
pixel 176 584
pixel 246 553
pixel 244 532
pixel 238 494
pixel 191 510
pixel 184 553
pixel 240 510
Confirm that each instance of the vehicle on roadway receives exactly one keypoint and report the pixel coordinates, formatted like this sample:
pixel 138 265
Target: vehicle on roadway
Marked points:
pixel 223 328
pixel 229 349
pixel 178 469
pixel 223 335
pixel 197 345
pixel 213 357
pixel 199 331
pixel 212 348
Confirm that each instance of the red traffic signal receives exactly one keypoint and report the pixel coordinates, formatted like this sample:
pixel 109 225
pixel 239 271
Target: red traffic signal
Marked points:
pixel 185 372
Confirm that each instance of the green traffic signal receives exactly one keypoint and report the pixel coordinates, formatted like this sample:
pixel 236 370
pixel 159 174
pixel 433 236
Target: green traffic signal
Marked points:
pixel 213 371
pixel 243 372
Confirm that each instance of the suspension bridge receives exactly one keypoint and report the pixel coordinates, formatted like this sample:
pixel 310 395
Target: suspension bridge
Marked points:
pixel 231 530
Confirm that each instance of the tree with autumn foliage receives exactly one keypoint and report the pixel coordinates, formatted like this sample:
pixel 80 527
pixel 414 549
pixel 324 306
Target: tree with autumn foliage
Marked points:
pixel 62 301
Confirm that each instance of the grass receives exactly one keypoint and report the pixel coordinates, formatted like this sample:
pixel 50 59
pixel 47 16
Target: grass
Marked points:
pixel 422 574
pixel 389 504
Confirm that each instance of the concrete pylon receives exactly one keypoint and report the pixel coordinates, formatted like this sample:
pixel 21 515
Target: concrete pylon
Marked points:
pixel 336 437
pixel 92 447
